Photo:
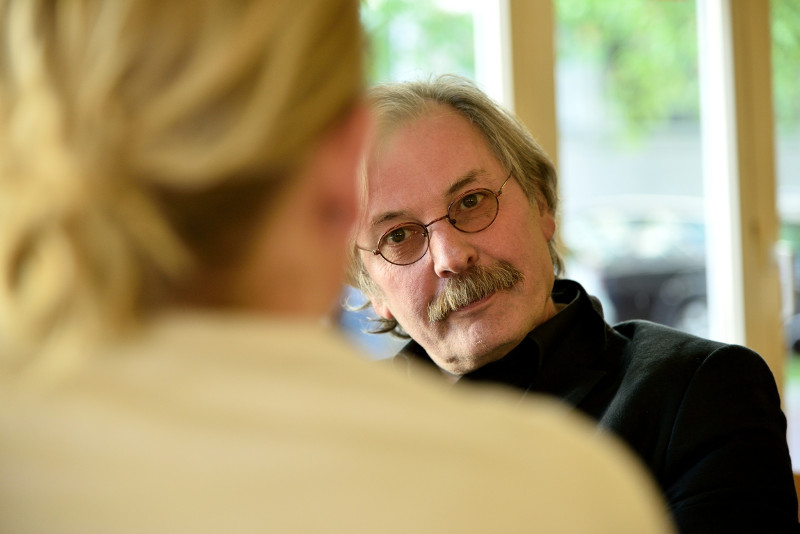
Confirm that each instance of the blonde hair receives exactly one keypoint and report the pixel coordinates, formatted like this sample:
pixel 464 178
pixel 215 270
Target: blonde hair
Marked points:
pixel 139 140
pixel 395 104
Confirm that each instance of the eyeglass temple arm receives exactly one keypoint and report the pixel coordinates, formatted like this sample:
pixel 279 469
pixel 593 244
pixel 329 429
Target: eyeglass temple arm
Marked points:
pixel 500 191
pixel 374 251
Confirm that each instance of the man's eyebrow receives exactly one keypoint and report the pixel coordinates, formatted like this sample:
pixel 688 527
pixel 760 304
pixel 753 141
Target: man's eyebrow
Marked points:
pixel 468 178
pixel 387 216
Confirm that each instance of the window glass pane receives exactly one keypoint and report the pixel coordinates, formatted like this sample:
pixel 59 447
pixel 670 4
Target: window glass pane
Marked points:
pixel 786 102
pixel 630 158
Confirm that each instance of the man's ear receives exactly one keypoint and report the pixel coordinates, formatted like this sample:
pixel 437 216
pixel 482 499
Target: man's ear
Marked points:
pixel 548 225
pixel 380 307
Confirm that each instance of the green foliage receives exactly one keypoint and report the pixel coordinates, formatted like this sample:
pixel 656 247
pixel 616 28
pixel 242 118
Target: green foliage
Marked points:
pixel 647 51
pixel 409 37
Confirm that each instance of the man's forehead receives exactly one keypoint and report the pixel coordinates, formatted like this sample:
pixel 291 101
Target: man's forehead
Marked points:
pixel 429 150
pixel 413 133
pixel 390 123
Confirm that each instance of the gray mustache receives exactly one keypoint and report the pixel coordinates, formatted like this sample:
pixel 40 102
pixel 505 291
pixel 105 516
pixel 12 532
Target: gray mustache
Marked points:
pixel 477 283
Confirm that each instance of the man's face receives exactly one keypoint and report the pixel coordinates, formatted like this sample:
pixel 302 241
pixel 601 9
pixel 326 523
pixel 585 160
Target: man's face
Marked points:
pixel 412 177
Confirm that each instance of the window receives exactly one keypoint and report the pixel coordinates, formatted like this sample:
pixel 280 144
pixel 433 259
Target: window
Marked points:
pixel 630 158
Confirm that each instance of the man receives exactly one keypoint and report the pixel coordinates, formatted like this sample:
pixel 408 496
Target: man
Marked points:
pixel 455 248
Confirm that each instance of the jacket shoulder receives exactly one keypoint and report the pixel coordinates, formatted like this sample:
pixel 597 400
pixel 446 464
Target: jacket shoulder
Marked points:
pixel 655 348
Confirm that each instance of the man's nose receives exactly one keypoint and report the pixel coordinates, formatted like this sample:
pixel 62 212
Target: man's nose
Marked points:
pixel 451 250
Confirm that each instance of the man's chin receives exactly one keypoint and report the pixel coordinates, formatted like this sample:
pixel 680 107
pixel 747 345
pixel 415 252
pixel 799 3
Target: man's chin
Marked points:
pixel 466 362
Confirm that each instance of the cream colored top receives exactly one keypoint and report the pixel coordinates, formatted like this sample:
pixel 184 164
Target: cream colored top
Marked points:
pixel 234 424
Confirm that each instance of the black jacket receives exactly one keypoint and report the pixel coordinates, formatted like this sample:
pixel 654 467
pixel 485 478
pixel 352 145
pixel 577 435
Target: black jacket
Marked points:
pixel 703 416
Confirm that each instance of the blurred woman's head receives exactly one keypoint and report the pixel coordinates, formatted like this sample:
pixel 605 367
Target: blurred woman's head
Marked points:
pixel 151 149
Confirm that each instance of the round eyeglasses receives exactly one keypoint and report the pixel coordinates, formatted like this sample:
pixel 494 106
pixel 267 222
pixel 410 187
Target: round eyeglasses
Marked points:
pixel 470 212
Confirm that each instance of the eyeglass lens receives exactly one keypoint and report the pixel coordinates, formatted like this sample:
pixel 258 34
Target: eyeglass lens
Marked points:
pixel 471 212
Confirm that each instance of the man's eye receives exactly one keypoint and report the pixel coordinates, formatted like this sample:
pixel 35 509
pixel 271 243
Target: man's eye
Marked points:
pixel 398 235
pixel 470 201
